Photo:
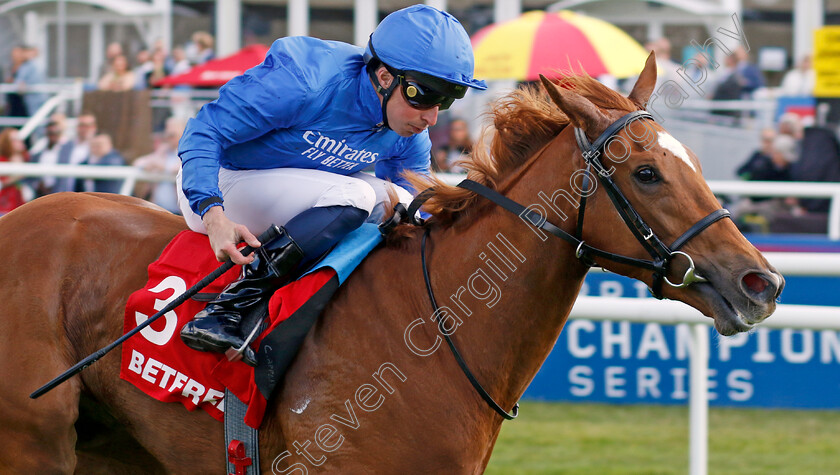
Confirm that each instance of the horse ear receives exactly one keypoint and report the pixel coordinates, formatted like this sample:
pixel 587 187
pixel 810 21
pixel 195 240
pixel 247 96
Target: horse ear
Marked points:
pixel 581 112
pixel 647 81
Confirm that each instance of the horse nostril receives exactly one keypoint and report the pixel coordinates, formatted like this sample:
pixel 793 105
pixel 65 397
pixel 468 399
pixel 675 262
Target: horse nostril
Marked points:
pixel 755 283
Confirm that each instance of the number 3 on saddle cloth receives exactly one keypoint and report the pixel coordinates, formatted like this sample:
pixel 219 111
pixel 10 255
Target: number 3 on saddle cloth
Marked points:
pixel 158 363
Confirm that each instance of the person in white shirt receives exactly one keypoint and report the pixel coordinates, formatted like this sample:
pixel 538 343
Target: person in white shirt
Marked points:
pixel 667 67
pixel 800 80
pixel 76 151
pixel 143 69
pixel 49 155
pixel 180 63
pixel 163 160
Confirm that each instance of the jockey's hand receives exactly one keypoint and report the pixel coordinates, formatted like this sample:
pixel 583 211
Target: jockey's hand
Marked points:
pixel 224 235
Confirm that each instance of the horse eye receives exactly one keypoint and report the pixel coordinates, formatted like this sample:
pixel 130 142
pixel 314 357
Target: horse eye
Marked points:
pixel 646 175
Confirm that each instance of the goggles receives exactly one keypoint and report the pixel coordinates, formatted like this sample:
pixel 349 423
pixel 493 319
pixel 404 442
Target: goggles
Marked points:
pixel 423 91
pixel 423 97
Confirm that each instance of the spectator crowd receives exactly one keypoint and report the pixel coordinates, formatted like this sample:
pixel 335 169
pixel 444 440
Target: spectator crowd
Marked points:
pixel 85 146
pixel 79 142
pixel 150 66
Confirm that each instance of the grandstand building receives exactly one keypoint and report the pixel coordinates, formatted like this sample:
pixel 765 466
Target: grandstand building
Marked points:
pixel 72 34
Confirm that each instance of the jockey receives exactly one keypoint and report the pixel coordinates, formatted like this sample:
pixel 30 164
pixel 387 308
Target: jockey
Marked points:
pixel 286 141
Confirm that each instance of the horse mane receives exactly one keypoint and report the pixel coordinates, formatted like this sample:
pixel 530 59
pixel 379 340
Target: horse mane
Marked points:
pixel 523 121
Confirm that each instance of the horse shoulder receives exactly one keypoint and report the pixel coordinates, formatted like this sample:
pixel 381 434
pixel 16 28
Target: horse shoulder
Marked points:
pixel 354 371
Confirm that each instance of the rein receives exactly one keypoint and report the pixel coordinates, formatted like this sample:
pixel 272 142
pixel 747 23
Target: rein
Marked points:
pixel 460 359
pixel 661 255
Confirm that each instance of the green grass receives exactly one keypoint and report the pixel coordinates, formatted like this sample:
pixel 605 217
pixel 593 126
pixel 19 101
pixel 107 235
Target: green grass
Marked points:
pixel 557 438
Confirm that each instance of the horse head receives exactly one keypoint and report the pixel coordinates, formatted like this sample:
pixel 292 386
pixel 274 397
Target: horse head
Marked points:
pixel 716 270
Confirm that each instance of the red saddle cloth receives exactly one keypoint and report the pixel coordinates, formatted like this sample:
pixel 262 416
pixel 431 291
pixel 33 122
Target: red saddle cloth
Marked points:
pixel 158 363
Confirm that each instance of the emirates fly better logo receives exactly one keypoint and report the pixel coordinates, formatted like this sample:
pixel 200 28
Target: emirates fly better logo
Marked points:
pixel 334 153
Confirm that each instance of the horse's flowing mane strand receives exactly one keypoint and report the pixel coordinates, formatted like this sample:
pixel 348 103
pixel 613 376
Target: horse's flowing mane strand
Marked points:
pixel 523 121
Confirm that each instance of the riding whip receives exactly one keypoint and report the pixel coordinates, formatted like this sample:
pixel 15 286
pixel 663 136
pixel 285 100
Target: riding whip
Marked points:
pixel 269 235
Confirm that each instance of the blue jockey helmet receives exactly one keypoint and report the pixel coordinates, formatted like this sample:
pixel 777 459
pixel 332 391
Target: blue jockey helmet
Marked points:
pixel 427 44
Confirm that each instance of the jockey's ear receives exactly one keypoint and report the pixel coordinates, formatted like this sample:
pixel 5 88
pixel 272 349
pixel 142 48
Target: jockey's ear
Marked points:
pixel 385 77
pixel 647 81
pixel 581 112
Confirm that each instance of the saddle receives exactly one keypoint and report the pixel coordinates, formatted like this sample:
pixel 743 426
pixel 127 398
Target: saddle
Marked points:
pixel 158 363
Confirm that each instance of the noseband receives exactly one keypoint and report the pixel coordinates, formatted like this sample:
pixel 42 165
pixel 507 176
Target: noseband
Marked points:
pixel 661 255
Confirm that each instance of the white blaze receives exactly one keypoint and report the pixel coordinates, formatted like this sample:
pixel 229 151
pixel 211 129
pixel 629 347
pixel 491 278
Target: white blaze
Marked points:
pixel 673 145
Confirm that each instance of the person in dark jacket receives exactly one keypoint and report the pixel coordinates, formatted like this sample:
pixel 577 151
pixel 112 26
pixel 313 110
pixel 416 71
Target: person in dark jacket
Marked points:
pixel 102 153
pixel 761 165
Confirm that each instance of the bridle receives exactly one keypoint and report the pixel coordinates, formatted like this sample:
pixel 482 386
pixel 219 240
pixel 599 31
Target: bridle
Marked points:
pixel 661 255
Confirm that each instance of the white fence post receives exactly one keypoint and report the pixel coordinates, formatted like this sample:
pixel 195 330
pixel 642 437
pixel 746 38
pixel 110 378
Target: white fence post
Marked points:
pixel 128 185
pixel 671 312
pixel 699 401
pixel 834 217
pixel 41 114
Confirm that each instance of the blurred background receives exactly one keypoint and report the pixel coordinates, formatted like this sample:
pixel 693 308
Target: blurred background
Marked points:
pixel 751 86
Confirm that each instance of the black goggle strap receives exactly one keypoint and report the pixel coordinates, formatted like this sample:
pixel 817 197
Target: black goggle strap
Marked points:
pixel 442 100
pixel 385 92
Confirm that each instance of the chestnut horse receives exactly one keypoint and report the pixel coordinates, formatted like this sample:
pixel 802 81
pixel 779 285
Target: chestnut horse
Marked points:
pixel 372 390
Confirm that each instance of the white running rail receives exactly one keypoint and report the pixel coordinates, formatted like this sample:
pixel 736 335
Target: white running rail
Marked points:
pixel 798 189
pixel 669 312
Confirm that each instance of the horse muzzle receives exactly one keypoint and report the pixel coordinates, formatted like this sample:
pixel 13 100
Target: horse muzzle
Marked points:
pixel 737 306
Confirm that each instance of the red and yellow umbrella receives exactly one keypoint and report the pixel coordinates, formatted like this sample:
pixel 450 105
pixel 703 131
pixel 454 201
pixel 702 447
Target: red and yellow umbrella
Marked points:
pixel 543 43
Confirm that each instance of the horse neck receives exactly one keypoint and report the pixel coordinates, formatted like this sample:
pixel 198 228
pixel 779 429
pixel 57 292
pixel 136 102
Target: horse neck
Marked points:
pixel 511 317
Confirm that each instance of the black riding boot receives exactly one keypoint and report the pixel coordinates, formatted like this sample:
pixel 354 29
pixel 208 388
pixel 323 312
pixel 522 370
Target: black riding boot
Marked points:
pixel 217 327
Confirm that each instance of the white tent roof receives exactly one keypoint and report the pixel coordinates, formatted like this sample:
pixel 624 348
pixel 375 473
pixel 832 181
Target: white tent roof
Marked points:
pixel 123 7
pixel 693 6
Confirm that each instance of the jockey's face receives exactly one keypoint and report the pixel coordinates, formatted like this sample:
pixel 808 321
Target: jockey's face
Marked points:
pixel 402 118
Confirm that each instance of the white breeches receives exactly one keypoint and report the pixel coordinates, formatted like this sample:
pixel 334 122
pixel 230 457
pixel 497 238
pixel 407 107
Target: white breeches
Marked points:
pixel 259 198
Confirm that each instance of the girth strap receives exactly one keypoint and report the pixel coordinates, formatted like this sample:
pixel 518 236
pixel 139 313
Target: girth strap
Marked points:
pixel 242 443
